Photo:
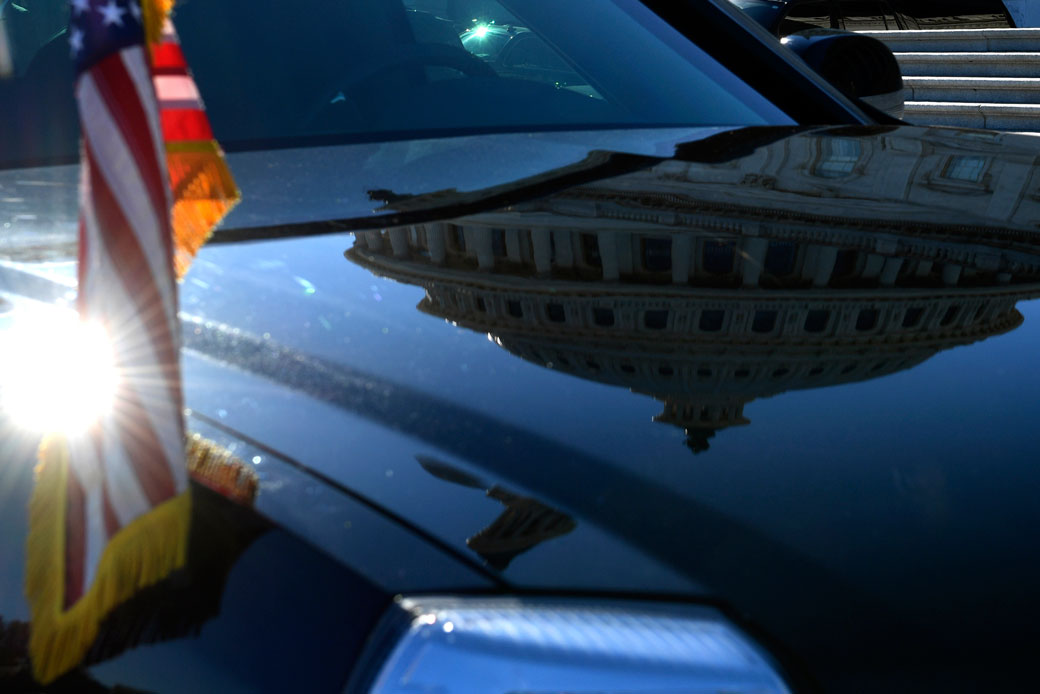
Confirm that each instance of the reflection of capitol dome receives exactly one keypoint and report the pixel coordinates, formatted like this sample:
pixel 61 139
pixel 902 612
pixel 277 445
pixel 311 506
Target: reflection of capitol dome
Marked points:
pixel 705 351
pixel 632 283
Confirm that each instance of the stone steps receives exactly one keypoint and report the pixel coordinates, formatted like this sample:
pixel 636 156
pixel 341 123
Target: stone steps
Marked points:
pixel 970 64
pixel 1015 117
pixel 960 40
pixel 992 90
pixel 972 78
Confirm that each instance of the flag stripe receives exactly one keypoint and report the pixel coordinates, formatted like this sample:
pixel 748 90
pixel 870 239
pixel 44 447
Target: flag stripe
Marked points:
pixel 127 258
pixel 112 158
pixel 142 445
pixel 119 97
pixel 136 64
pixel 177 89
pixel 75 539
pixel 151 411
pixel 168 58
pixel 146 131
pixel 123 491
pixel 135 212
pixel 111 228
pixel 185 124
pixel 96 537
pixel 121 264
pixel 170 104
pixel 112 522
pixel 83 255
pixel 127 328
pixel 143 80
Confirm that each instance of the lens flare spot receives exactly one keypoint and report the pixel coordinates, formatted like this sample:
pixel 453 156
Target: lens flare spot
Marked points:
pixel 57 374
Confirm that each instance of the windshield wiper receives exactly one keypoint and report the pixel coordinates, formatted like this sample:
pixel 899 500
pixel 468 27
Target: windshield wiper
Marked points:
pixel 404 209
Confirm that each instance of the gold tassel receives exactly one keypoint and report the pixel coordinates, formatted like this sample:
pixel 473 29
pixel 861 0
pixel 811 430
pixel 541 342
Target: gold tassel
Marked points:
pixel 154 13
pixel 141 554
pixel 203 189
pixel 203 193
pixel 215 467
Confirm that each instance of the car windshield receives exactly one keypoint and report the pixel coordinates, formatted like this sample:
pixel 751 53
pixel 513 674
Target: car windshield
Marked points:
pixel 764 12
pixel 486 41
pixel 272 72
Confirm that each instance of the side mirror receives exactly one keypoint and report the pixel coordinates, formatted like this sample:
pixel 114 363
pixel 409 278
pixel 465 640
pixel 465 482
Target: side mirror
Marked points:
pixel 859 66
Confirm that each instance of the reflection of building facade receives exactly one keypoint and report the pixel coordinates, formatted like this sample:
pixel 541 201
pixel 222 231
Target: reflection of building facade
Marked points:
pixel 706 352
pixel 706 304
pixel 819 191
pixel 891 181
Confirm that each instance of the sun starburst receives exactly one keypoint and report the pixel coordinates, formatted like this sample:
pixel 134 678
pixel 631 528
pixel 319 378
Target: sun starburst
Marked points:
pixel 57 374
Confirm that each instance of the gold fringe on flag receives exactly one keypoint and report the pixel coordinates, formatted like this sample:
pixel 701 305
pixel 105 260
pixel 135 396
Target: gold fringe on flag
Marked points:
pixel 203 192
pixel 203 189
pixel 216 467
pixel 154 13
pixel 143 553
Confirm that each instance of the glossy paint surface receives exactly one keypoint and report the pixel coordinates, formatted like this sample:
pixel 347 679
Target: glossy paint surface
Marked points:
pixel 788 373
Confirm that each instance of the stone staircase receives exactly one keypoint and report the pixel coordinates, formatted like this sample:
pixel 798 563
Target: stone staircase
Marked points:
pixel 972 78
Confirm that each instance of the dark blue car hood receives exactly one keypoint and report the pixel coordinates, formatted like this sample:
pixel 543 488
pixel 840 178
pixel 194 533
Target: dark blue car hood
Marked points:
pixel 786 372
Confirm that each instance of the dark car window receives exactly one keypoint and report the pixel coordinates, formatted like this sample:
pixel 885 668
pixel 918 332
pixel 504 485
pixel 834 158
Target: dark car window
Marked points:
pixel 867 15
pixel 528 57
pixel 529 51
pixel 765 12
pixel 809 15
pixel 386 69
pixel 29 25
pixel 486 42
pixel 884 15
pixel 955 14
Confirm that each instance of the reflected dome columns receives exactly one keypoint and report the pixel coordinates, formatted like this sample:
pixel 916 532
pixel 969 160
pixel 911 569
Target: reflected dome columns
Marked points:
pixel 435 243
pixel 608 253
pixel 399 242
pixel 753 252
pixel 764 256
pixel 373 240
pixel 682 250
pixel 542 245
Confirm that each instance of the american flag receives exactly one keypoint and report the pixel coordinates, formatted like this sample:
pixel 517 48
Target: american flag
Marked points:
pixel 135 458
pixel 153 184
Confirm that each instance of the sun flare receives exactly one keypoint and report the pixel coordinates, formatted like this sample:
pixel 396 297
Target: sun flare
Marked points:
pixel 57 375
